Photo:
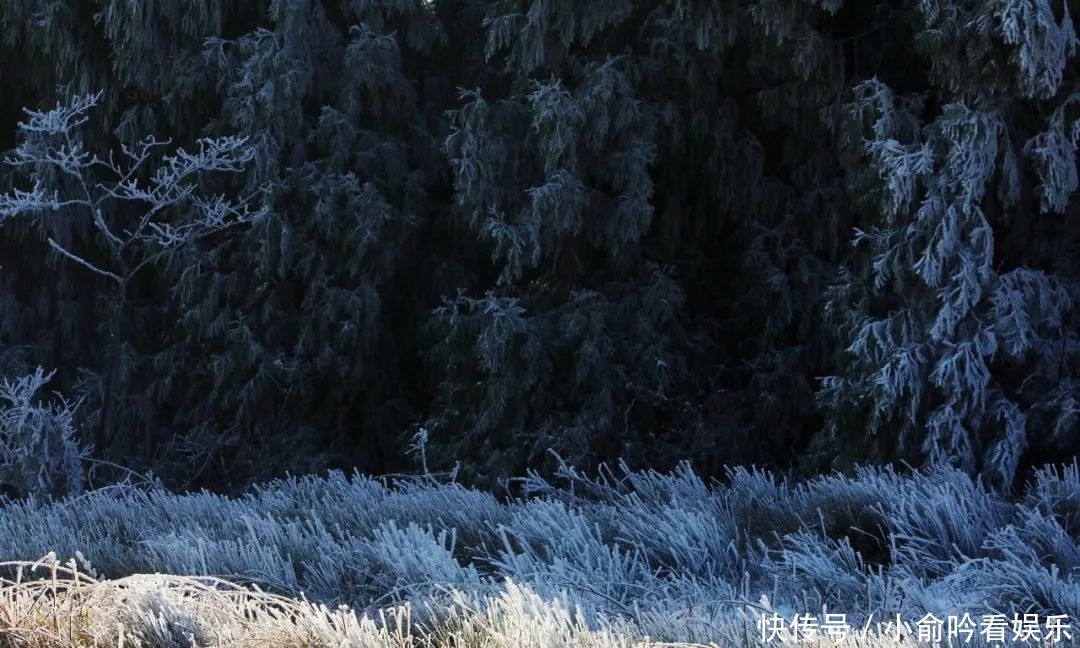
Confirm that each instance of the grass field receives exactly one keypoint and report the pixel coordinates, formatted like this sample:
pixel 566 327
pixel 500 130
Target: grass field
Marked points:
pixel 620 559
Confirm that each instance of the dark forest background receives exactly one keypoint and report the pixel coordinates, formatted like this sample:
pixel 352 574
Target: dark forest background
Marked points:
pixel 411 235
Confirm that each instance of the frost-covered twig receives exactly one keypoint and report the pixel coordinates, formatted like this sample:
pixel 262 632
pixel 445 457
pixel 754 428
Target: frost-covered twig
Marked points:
pixel 174 210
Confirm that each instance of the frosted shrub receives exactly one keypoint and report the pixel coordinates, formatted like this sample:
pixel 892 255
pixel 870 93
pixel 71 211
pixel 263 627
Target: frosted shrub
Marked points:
pixel 39 454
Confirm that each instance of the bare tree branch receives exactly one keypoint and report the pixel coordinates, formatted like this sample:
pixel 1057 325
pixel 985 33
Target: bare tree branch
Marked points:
pixel 83 262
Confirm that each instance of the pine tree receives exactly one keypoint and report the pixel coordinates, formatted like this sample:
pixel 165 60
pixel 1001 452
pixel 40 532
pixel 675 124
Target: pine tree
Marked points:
pixel 620 159
pixel 958 309
pixel 296 333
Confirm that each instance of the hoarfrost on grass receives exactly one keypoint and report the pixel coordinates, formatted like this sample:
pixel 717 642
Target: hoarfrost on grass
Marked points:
pixel 666 555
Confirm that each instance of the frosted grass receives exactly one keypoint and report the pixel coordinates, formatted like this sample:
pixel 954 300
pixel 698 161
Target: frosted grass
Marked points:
pixel 621 557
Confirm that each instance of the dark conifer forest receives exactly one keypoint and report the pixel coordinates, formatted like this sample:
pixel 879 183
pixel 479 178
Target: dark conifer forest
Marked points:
pixel 476 238
pixel 539 323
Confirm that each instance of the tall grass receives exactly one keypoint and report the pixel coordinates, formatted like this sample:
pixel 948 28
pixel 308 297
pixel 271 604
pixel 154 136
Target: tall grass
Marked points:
pixel 615 559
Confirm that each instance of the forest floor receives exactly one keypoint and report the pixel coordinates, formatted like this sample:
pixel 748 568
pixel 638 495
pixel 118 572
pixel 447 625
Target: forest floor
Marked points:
pixel 624 559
